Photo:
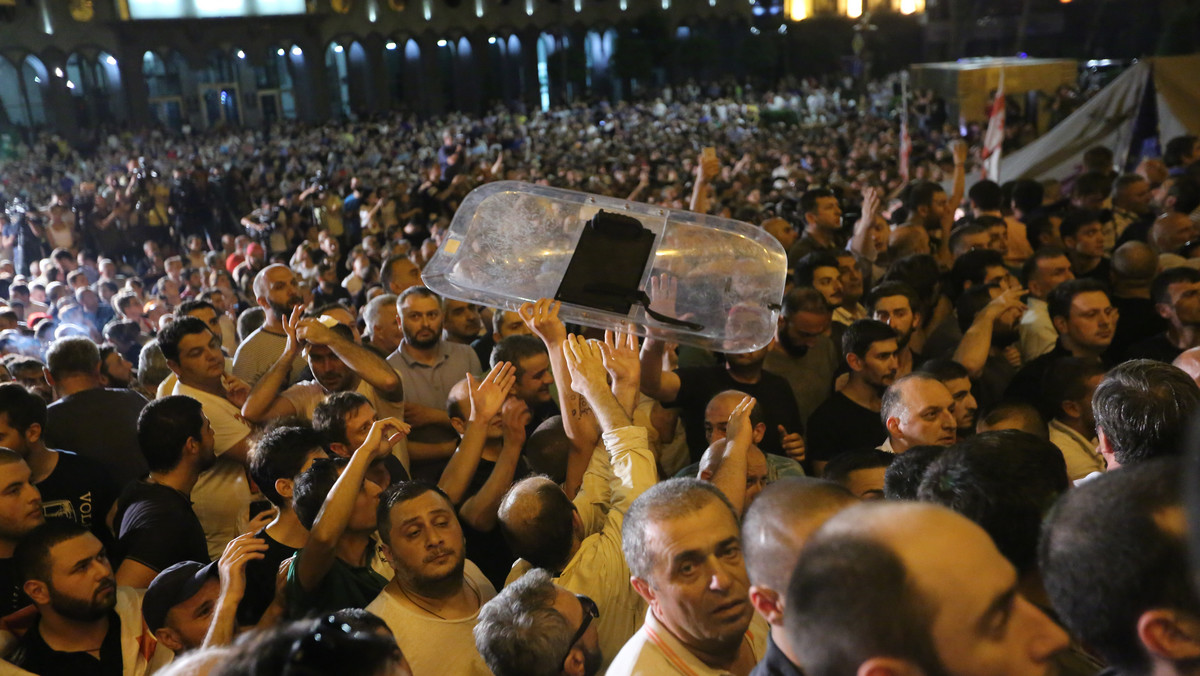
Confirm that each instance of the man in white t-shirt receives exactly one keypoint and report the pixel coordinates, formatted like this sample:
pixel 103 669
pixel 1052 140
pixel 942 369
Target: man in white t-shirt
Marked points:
pixel 221 498
pixel 433 601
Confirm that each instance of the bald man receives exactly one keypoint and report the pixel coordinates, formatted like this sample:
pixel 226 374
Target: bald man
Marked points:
pixel 1170 232
pixel 1189 363
pixel 918 410
pixel 912 588
pixel 1134 267
pixel 277 293
pixel 760 468
pixel 774 529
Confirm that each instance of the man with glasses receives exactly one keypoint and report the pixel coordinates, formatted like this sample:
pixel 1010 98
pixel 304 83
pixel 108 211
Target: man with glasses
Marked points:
pixel 537 627
pixel 1085 320
pixel 433 601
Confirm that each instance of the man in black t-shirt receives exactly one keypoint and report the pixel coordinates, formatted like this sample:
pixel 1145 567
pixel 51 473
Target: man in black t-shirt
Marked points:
pixel 692 388
pixel 20 513
pixel 154 523
pixel 279 457
pixel 849 420
pixel 72 487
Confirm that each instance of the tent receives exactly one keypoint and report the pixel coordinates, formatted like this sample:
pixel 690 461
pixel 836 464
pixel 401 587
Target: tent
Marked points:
pixel 1157 98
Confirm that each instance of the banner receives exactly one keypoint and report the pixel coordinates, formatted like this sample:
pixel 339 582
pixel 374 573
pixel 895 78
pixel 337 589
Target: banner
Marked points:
pixel 993 139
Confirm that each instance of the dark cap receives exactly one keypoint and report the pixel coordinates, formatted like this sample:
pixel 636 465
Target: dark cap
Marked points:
pixel 173 586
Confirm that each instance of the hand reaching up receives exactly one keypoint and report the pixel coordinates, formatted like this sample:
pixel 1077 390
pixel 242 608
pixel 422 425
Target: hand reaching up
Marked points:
pixel 585 361
pixel 488 395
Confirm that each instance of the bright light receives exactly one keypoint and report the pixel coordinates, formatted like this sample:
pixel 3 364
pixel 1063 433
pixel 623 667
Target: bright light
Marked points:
pixel 441 43
pixel 241 54
pixel 754 31
pixel 111 61
pixel 70 85
pixel 279 52
pixel 624 5
pixel 338 49
pixel 712 3
pixel 372 14
pixel 391 46
pixel 910 6
pixel 578 6
pixel 529 7
pixel 427 8
pixel 37 80
pixel 58 72
pixel 783 29
pixel 479 8
pixel 666 4
pixel 854 8
pixel 296 51
pixel 797 10
pixel 492 40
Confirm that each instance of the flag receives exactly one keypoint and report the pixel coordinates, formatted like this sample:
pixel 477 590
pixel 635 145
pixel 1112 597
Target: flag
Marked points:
pixel 993 139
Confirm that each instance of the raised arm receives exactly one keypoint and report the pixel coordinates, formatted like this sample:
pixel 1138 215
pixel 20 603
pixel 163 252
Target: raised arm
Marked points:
pixel 655 382
pixel 729 459
pixel 485 397
pixel 479 510
pixel 976 344
pixel 319 554
pixel 264 403
pixel 232 570
pixel 366 363
pixel 861 242
pixel 585 360
pixel 708 167
pixel 542 319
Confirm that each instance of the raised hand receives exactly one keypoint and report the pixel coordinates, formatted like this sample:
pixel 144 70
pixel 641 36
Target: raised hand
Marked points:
pixel 291 329
pixel 232 565
pixel 542 318
pixel 740 431
pixel 620 353
pixel 586 364
pixel 515 416
pixel 792 443
pixel 663 291
pixel 383 435
pixel 488 395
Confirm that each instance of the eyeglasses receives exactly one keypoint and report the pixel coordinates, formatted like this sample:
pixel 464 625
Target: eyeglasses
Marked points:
pixel 590 612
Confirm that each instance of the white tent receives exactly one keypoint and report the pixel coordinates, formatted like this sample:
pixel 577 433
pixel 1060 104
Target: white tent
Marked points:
pixel 1108 119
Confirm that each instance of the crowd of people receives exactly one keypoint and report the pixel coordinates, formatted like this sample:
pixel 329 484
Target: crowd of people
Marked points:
pixel 238 435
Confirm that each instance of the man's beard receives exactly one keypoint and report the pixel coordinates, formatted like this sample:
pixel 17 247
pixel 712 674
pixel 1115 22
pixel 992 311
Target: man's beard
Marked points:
pixel 81 610
pixel 793 349
pixel 282 311
pixel 592 659
pixel 438 586
pixel 423 344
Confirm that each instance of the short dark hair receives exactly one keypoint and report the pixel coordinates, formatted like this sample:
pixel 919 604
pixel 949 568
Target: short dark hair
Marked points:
pixel 806 267
pixel 903 476
pixel 329 417
pixel 1075 218
pixel 862 334
pixel 385 269
pixel 72 355
pixel 312 488
pixel 1043 253
pixel 1027 194
pixel 1030 418
pixel 279 454
pixel 1160 291
pixel 411 291
pixel 804 299
pixel 889 289
pixel 838 587
pixel 187 307
pixel 986 195
pixel 515 349
pixel 1090 184
pixel 842 465
pixel 1176 149
pixel 920 272
pixel 921 195
pixel 1143 406
pixel 164 427
pixel 972 267
pixel 402 491
pixel 32 554
pixel 970 302
pixel 808 201
pixel 944 369
pixel 1005 481
pixel 963 231
pixel 175 331
pixel 1066 380
pixel 22 408
pixel 1106 558
pixel 1060 299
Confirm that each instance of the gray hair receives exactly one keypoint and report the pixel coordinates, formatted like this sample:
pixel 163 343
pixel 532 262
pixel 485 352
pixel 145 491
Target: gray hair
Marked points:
pixel 372 309
pixel 1143 407
pixel 152 366
pixel 894 399
pixel 519 632
pixel 667 500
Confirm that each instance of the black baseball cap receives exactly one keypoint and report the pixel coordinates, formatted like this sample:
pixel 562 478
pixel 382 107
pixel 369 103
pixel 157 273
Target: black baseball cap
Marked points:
pixel 173 586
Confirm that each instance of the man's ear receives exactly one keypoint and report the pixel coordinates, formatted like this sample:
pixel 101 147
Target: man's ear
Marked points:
pixel 642 587
pixel 759 431
pixel 1106 449
pixel 339 449
pixel 1163 310
pixel 1169 635
pixel 854 361
pixel 768 604
pixel 459 425
pixel 34 433
pixel 37 591
pixel 285 488
pixel 1071 408
pixel 1060 324
pixel 174 366
pixel 893 426
pixel 169 638
pixel 49 378
pixel 888 666
pixel 574 664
